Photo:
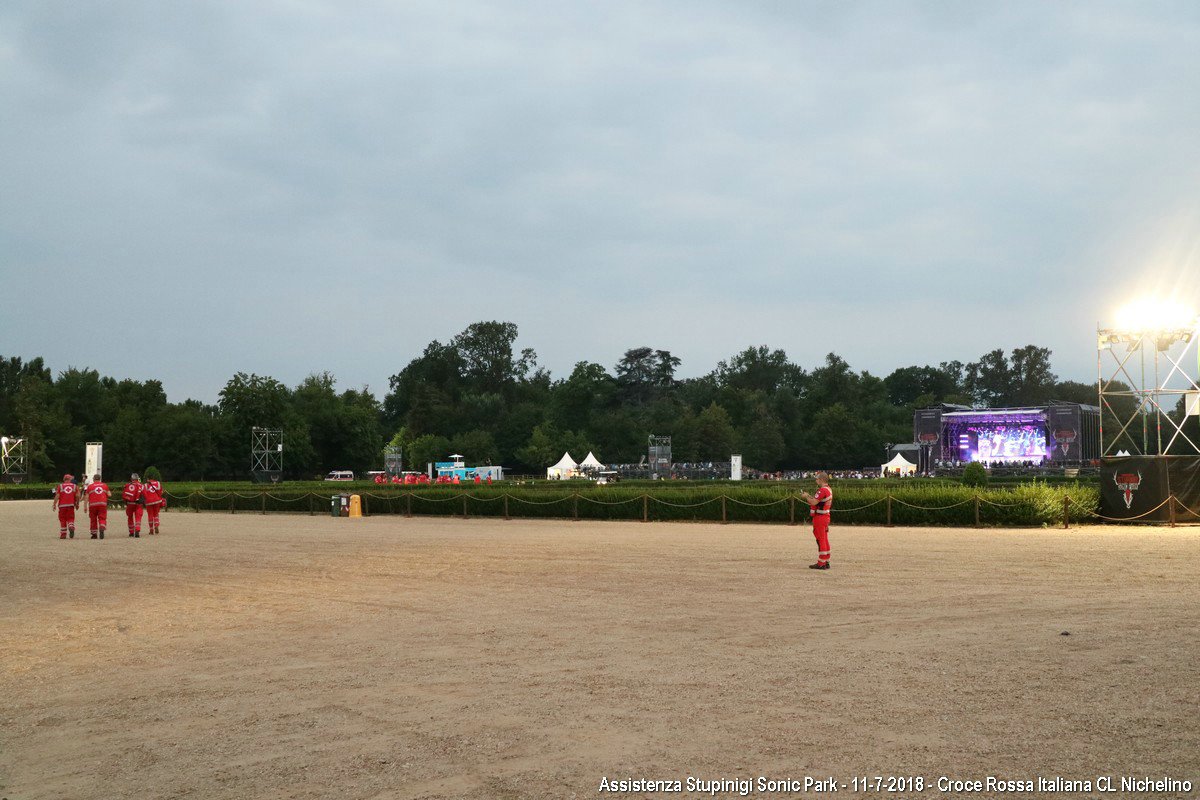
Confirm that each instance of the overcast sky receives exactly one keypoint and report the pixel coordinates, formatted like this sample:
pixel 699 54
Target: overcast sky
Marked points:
pixel 188 190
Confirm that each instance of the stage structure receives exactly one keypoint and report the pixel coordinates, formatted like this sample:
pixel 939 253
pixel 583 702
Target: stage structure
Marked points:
pixel 393 461
pixel 660 456
pixel 266 454
pixel 1160 391
pixel 14 459
pixel 1151 400
pixel 1059 434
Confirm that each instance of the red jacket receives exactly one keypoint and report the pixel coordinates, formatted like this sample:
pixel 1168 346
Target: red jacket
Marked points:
pixel 132 492
pixel 152 493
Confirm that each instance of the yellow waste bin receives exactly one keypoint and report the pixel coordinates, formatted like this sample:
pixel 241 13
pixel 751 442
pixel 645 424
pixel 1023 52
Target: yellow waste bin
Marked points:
pixel 355 506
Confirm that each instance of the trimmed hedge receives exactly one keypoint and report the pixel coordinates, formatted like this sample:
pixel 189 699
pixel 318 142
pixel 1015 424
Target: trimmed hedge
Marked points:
pixel 857 503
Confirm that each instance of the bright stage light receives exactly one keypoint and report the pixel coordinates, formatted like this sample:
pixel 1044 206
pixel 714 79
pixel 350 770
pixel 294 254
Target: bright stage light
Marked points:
pixel 1155 315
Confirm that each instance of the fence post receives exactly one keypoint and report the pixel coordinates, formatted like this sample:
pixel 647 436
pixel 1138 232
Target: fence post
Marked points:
pixel 575 506
pixel 1171 509
pixel 464 505
pixel 1066 511
pixel 645 508
pixel 231 502
pixel 889 511
pixel 724 518
pixel 506 516
pixel 366 509
pixel 792 510
pixel 976 511
pixel 264 502
pixel 311 511
pixel 408 505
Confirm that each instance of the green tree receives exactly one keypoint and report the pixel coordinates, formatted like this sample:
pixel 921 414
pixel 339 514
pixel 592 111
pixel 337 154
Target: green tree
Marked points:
pixel 427 449
pixel 488 361
pixel 715 434
pixel 477 447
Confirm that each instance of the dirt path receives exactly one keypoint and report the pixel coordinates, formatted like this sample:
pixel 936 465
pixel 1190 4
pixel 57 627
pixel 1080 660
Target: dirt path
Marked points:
pixel 308 657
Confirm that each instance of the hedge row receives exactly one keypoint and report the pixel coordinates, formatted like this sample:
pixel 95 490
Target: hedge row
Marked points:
pixel 1028 505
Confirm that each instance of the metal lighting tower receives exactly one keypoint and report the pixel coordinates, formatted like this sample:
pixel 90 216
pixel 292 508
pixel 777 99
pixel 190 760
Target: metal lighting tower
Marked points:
pixel 660 456
pixel 14 459
pixel 393 461
pixel 266 454
pixel 1150 414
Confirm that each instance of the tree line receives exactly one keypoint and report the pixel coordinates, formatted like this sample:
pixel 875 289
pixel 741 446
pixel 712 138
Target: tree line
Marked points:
pixel 479 395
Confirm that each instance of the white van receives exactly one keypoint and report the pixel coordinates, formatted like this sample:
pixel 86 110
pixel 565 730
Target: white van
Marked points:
pixel 340 475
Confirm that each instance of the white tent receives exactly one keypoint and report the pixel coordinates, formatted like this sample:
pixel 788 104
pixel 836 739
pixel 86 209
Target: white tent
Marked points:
pixel 900 463
pixel 591 462
pixel 563 469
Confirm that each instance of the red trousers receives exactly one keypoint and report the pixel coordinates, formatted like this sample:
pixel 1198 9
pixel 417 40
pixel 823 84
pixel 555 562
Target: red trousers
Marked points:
pixel 152 517
pixel 133 514
pixel 66 517
pixel 98 515
pixel 821 533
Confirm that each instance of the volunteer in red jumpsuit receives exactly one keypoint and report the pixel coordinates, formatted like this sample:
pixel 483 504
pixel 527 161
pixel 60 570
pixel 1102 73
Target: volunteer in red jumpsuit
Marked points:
pixel 97 499
pixel 66 500
pixel 152 494
pixel 132 495
pixel 819 506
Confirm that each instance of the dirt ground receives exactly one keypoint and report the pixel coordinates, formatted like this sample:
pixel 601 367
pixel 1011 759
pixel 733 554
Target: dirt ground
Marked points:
pixel 286 656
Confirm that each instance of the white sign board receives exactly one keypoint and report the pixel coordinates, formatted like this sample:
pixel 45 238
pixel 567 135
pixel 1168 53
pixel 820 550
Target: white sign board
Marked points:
pixel 735 467
pixel 94 461
pixel 1193 404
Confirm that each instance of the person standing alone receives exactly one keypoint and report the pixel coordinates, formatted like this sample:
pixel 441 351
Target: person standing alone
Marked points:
pixel 132 495
pixel 819 506
pixel 97 495
pixel 66 500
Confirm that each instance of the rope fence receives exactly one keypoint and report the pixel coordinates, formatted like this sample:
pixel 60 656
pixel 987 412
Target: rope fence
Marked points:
pixel 790 508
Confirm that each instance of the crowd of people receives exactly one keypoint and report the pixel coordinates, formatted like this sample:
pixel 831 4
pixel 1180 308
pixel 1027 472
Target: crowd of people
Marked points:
pixel 140 497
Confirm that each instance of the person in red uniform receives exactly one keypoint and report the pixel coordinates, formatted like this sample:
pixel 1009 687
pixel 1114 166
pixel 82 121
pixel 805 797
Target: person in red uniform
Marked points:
pixel 97 497
pixel 819 506
pixel 66 500
pixel 132 495
pixel 152 494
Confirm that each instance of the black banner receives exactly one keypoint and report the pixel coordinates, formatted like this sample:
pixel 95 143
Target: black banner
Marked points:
pixel 1065 442
pixel 1136 488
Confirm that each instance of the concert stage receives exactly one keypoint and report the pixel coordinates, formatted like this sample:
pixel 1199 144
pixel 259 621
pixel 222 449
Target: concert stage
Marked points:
pixel 1061 434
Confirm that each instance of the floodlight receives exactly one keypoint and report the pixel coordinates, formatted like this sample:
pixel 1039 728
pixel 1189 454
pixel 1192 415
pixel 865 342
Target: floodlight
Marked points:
pixel 1148 315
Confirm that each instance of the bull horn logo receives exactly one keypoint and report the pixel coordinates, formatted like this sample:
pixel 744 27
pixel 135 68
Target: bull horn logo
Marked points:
pixel 1128 483
pixel 1064 437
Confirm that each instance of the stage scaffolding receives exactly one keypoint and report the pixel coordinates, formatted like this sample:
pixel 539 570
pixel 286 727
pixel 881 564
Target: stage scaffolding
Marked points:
pixel 393 461
pixel 266 454
pixel 14 459
pixel 1151 413
pixel 660 456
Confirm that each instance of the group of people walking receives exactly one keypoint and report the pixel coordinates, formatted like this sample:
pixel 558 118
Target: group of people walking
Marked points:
pixel 139 497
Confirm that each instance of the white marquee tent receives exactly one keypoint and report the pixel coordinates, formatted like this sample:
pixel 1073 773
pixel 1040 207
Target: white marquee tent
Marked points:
pixel 900 463
pixel 565 467
pixel 591 462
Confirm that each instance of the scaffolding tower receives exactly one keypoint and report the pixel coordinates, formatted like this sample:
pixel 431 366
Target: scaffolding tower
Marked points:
pixel 266 454
pixel 659 448
pixel 393 461
pixel 1147 395
pixel 14 459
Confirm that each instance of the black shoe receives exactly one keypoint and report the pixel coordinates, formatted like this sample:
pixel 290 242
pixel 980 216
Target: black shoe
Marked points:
pixel 136 535
pixel 819 566
pixel 72 534
pixel 101 534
